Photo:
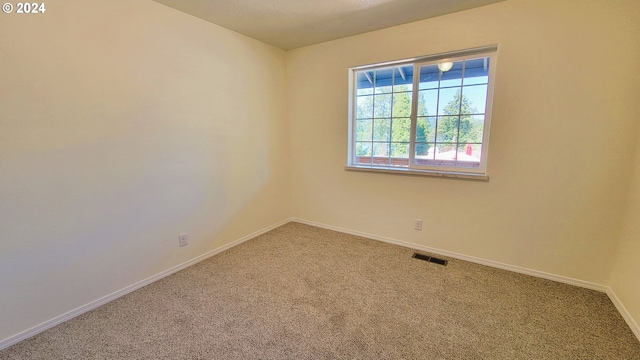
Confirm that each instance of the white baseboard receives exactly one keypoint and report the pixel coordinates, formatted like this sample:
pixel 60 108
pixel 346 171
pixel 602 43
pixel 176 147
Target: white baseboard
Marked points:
pixel 624 312
pixel 495 264
pixel 101 301
pixel 541 274
pixel 105 299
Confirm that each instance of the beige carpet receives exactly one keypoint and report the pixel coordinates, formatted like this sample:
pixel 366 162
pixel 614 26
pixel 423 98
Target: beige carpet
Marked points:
pixel 300 292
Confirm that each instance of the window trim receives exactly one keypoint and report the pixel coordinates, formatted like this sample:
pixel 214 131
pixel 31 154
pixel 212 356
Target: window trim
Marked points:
pixel 410 171
pixel 415 169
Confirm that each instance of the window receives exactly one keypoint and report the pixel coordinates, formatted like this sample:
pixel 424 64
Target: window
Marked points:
pixel 429 115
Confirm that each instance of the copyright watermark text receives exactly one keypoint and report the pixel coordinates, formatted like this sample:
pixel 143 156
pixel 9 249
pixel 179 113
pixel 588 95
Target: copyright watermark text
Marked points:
pixel 24 8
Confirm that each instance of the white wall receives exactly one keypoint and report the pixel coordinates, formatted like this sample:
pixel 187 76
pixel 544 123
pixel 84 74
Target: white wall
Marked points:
pixel 625 276
pixel 122 124
pixel 564 129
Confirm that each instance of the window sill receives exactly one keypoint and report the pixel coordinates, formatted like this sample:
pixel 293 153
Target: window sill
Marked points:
pixel 405 171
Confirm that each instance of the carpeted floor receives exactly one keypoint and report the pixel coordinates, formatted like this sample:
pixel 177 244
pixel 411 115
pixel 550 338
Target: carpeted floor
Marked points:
pixel 299 292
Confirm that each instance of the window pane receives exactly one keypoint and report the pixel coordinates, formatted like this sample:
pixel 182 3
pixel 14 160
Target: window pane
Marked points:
pixel 423 151
pixel 363 160
pixel 403 78
pixel 422 130
pixel 402 104
pixel 429 76
pixel 382 106
pixel 364 82
pixel 401 130
pixel 438 155
pixel 363 149
pixel 445 152
pixel 400 162
pixel 427 102
pixel 425 129
pixel 381 149
pixel 381 129
pixel 471 129
pixel 431 128
pixel 449 101
pixel 476 71
pixel 364 130
pixel 474 99
pixel 364 106
pixel 452 77
pixel 383 79
pixel 469 155
pixel 447 129
pixel 400 150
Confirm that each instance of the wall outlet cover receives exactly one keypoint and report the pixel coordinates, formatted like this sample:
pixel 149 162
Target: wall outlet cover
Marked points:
pixel 183 239
pixel 418 224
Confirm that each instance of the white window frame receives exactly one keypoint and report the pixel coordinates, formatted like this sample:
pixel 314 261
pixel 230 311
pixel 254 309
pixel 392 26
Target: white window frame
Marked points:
pixel 433 170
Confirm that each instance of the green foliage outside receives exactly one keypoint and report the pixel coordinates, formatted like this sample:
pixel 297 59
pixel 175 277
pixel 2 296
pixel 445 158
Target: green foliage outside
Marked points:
pixel 389 122
pixel 469 130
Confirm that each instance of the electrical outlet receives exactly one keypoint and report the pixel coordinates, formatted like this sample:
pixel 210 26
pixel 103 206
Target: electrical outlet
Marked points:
pixel 418 224
pixel 183 239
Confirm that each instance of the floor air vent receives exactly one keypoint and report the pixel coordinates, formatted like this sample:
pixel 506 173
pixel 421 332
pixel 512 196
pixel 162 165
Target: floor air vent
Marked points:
pixel 430 259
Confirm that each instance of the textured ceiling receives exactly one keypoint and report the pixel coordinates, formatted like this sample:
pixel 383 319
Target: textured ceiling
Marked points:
pixel 289 24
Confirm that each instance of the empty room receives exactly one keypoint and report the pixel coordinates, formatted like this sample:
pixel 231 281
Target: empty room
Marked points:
pixel 341 179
